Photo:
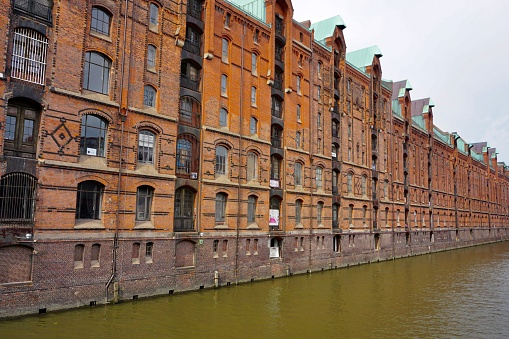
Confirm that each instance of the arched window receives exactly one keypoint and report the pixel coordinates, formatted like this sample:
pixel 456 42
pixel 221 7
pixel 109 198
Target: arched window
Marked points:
pixel 277 107
pixel 144 202
pixel 221 160
pixel 146 141
pixel 101 21
pixel 17 199
pixel 335 181
pixel 149 96
pixel 254 64
pixel 190 111
pixel 95 255
pixel 21 129
pixel 349 184
pixel 297 140
pixel 275 171
pixel 299 81
pixel 224 85
pixel 253 125
pixel 154 16
pixel 319 179
pixel 297 174
pixel 183 210
pixel 184 156
pixel 319 212
pixel 220 210
pixel 93 135
pixel 252 201
pixel 276 134
pixel 224 50
pixel 151 57
pixel 79 253
pixel 89 200
pixel 252 166
pixel 253 96
pixel 223 117
pixel 298 211
pixel 96 76
pixel 29 55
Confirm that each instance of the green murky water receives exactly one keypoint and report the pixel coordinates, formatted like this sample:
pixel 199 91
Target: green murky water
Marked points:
pixel 462 293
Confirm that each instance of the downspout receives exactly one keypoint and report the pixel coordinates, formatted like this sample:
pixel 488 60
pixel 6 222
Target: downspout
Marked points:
pixel 241 112
pixel 123 116
pixel 311 158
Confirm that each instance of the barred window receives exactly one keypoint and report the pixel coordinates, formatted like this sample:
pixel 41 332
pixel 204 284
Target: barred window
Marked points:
pixel 149 96
pixel 221 157
pixel 100 22
pixel 29 56
pixel 146 141
pixel 96 73
pixel 17 199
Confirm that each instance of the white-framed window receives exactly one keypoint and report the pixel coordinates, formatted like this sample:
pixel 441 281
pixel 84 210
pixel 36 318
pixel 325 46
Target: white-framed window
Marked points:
pixel 29 56
pixel 221 160
pixel 146 141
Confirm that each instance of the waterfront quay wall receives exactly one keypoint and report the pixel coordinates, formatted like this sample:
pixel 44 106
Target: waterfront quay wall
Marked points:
pixel 57 284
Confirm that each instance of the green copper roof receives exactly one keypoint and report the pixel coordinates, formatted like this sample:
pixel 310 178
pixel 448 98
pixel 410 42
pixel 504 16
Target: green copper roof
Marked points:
pixel 419 121
pixel 255 8
pixel 325 28
pixel 443 136
pixel 477 156
pixel 363 57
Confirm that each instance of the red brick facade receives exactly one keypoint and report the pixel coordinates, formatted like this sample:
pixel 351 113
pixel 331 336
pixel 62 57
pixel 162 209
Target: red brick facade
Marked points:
pixel 162 147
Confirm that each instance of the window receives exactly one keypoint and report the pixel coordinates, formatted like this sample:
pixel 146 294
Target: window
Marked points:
pixel 297 140
pixel 95 255
pixel 224 50
pixel 254 64
pixel 275 175
pixel 225 248
pixel 274 208
pixel 319 182
pixel 215 247
pixel 335 176
pixel 364 185
pixel 189 75
pixel 193 40
pixel 151 57
pixel 154 16
pixel 255 36
pixel 349 179
pixel 227 20
pixel 298 113
pixel 335 216
pixel 299 79
pixel 96 73
pixel 143 202
pixel 297 174
pixel 253 125
pixel 220 210
pixel 364 213
pixel 319 70
pixel 334 151
pixel 93 135
pixel 100 22
pixel 21 129
pixel 253 96
pixel 149 96
pixel 277 107
pixel 79 252
pixel 275 247
pixel 184 156
pixel 146 141
pixel 276 134
pixel 29 55
pixel 17 199
pixel 319 120
pixel 183 210
pixel 221 158
pixel 223 117
pixel 319 212
pixel 252 166
pixel 319 146
pixel 135 254
pixel 89 200
pixel 298 211
pixel 224 85
pixel 336 243
pixel 350 215
pixel 251 208
pixel 319 93
pixel 149 250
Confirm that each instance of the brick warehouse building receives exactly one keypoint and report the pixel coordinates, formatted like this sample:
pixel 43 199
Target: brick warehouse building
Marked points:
pixel 158 146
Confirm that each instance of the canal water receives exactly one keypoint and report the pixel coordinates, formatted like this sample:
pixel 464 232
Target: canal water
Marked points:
pixel 462 293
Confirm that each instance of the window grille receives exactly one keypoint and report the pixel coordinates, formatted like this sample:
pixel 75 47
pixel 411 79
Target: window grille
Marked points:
pixel 29 56
pixel 17 199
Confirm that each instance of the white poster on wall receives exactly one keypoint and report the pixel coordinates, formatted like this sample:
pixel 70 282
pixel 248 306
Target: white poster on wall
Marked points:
pixel 273 217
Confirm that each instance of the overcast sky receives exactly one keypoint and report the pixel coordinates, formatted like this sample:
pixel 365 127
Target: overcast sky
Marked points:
pixel 450 50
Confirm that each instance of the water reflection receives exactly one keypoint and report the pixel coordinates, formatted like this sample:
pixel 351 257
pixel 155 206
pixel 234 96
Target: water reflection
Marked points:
pixel 462 293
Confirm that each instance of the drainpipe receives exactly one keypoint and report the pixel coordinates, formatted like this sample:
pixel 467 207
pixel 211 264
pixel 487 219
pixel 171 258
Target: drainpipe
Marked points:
pixel 123 116
pixel 311 157
pixel 241 112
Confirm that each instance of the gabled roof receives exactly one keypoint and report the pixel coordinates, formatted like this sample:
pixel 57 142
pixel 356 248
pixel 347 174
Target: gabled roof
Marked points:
pixel 363 57
pixel 399 88
pixel 325 28
pixel 421 106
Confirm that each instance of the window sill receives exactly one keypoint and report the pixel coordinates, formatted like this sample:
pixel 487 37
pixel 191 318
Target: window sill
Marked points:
pixel 140 225
pixel 100 36
pixel 146 169
pixel 83 224
pixel 153 28
pixel 92 160
pixel 152 70
pixel 299 226
pixel 253 226
pixel 221 226
pixel 96 96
